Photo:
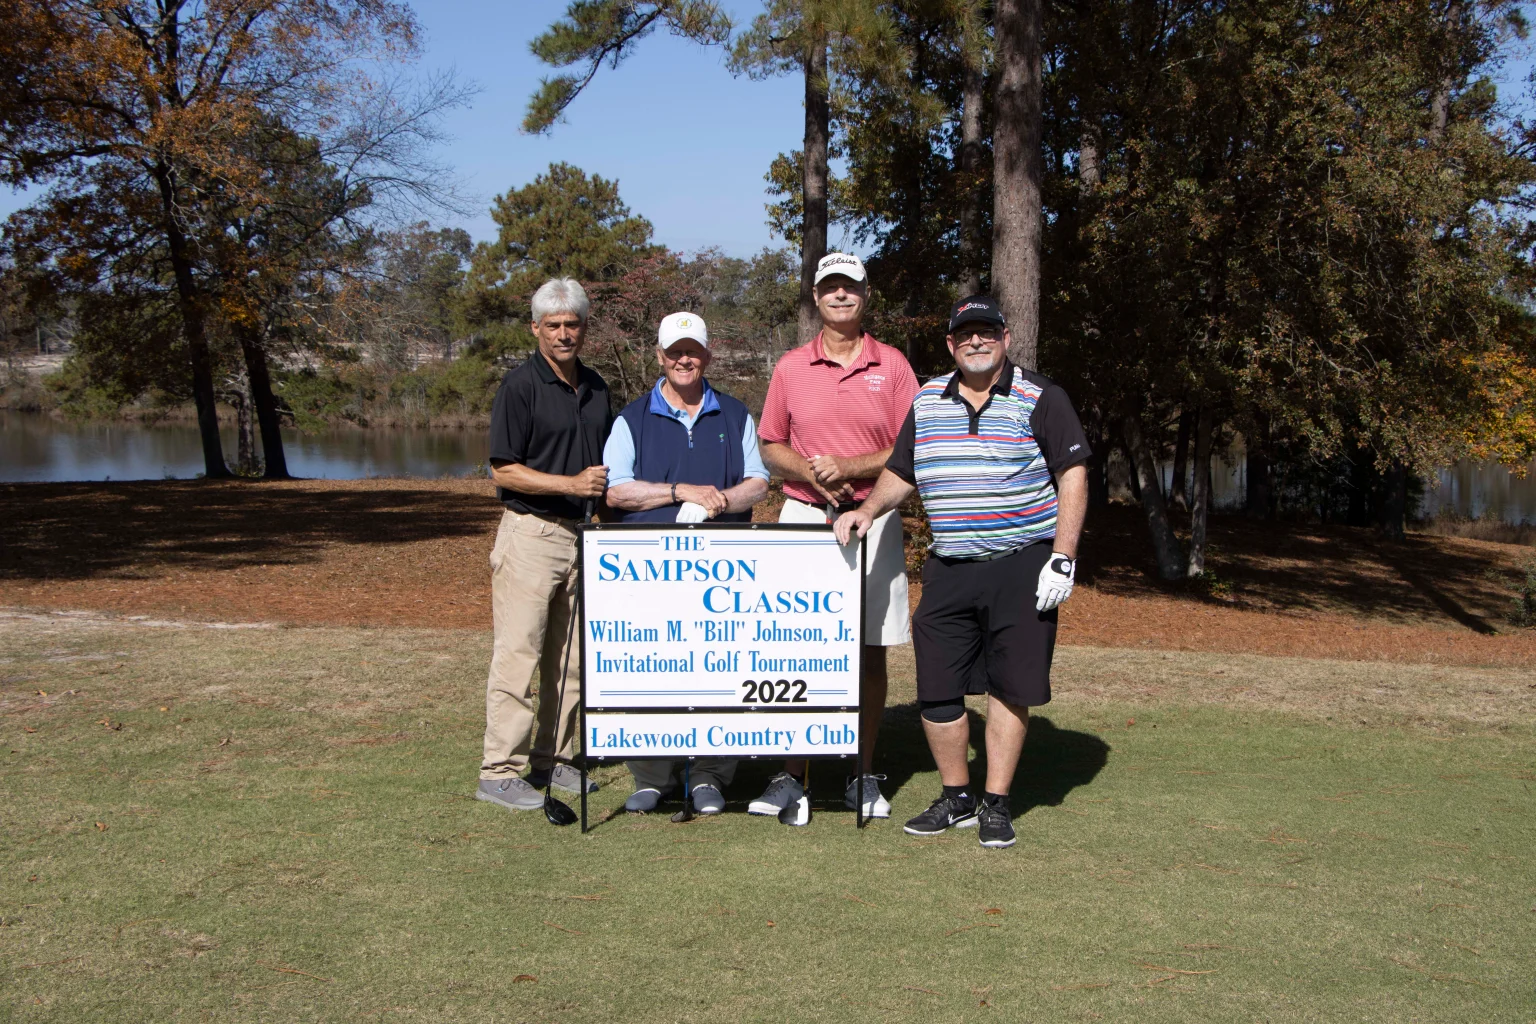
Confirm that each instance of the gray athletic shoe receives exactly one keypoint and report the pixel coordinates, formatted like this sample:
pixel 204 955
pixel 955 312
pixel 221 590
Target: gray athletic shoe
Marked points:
pixel 511 792
pixel 782 791
pixel 875 803
pixel 642 801
pixel 707 799
pixel 565 777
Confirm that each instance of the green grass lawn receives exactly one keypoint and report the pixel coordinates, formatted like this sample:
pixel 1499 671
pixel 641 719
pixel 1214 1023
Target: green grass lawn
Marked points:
pixel 275 825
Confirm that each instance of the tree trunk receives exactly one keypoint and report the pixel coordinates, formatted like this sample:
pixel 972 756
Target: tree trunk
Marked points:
pixel 1017 174
pixel 972 248
pixel 245 433
pixel 1395 507
pixel 189 302
pixel 813 234
pixel 1259 490
pixel 1170 562
pixel 273 456
pixel 1440 102
pixel 1200 511
pixel 1088 175
pixel 1177 492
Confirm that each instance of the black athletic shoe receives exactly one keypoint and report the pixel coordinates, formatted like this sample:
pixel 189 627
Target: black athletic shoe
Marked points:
pixel 944 813
pixel 996 827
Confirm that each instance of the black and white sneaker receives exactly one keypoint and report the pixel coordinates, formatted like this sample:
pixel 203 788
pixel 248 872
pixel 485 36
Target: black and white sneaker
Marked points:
pixel 783 791
pixel 944 813
pixel 996 826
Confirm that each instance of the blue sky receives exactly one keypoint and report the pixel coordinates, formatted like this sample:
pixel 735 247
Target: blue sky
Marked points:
pixel 688 142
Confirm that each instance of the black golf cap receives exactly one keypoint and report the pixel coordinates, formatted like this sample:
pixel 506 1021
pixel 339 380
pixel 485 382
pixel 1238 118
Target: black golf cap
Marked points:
pixel 980 308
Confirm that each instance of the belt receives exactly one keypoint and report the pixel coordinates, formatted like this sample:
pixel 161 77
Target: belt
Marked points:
pixel 833 511
pixel 989 556
pixel 569 524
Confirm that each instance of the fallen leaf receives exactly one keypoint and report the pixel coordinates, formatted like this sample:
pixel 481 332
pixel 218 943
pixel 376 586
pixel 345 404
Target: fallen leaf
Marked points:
pixel 165 709
pixel 31 878
pixel 25 729
pixel 771 924
pixel 994 910
pixel 42 693
pixel 1128 721
pixel 101 827
pixel 524 977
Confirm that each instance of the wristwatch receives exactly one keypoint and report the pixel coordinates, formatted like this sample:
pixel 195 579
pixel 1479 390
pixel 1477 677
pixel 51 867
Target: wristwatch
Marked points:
pixel 1062 563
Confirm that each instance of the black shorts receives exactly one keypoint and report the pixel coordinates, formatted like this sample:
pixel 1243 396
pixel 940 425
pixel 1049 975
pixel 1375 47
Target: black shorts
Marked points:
pixel 976 629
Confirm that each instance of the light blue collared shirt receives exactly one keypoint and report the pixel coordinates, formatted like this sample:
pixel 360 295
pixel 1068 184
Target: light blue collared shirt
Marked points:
pixel 619 452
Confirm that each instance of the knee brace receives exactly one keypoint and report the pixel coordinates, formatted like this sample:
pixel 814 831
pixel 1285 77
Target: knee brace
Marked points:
pixel 941 711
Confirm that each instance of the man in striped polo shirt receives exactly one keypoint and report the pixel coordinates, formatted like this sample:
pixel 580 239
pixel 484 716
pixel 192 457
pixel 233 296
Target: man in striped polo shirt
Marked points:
pixel 832 412
pixel 996 453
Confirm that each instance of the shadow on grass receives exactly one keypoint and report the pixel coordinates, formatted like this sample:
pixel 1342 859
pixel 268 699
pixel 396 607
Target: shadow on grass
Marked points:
pixel 1055 762
pixel 88 530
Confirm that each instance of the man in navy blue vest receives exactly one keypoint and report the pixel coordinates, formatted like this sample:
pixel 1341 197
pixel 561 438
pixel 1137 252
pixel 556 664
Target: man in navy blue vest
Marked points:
pixel 683 453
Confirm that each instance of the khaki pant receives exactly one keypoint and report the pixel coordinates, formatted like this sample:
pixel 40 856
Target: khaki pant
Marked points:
pixel 533 607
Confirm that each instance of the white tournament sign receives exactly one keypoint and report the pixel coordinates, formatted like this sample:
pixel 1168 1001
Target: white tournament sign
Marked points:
pixel 725 640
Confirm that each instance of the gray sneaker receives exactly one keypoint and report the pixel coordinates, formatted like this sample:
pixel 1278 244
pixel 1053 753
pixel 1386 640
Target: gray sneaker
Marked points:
pixel 511 792
pixel 875 803
pixel 707 799
pixel 782 791
pixel 565 777
pixel 643 801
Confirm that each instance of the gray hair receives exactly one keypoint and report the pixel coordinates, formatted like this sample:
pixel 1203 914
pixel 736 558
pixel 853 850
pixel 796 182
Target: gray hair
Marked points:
pixel 560 295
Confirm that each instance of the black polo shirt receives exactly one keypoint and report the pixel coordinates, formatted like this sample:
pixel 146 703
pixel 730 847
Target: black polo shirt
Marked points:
pixel 543 423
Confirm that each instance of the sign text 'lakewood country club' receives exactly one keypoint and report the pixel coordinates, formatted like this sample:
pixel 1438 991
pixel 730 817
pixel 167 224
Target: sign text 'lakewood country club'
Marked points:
pixel 714 622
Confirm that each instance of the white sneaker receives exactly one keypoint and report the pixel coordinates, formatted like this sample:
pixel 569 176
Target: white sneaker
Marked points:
pixel 875 803
pixel 782 791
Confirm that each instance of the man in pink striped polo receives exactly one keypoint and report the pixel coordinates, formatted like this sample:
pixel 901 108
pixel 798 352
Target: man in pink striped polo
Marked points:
pixel 833 411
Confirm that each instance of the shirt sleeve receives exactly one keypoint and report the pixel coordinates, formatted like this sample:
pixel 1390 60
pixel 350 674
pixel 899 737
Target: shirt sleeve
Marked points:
pixel 619 454
pixel 1058 431
pixel 511 417
pixel 774 426
pixel 904 451
pixel 751 458
pixel 905 390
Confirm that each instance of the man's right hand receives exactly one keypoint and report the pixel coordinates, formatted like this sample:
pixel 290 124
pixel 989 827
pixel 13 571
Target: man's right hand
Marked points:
pixel 839 495
pixel 712 499
pixel 590 482
pixel 852 524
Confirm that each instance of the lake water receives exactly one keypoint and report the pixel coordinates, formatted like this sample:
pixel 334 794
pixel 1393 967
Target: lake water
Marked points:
pixel 35 447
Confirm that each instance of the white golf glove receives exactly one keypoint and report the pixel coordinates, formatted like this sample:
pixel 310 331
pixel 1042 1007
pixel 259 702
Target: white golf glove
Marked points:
pixel 688 512
pixel 1055 584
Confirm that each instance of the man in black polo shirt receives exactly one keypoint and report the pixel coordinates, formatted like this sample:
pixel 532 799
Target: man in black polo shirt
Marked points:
pixel 996 454
pixel 548 425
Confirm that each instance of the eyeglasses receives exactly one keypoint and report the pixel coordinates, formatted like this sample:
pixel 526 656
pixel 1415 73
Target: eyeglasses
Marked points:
pixel 978 335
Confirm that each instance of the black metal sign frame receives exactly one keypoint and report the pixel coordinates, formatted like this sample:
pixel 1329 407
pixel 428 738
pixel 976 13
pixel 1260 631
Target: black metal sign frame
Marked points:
pixel 581 590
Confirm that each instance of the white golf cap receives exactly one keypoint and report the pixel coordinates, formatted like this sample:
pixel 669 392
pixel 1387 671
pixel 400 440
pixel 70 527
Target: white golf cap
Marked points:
pixel 840 263
pixel 677 326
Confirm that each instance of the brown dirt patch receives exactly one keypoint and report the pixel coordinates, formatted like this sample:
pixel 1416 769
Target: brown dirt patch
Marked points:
pixel 414 553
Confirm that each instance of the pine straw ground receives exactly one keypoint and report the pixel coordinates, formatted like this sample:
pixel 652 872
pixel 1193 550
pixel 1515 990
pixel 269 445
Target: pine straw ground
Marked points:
pixel 1304 797
pixel 414 553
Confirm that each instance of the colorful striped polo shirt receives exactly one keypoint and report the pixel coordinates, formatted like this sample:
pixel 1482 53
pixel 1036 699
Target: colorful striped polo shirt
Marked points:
pixel 987 476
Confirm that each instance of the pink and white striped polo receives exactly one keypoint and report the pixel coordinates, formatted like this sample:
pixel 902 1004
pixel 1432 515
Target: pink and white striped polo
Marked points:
pixel 819 407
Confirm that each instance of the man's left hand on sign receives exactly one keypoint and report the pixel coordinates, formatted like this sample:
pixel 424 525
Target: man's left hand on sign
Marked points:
pixel 851 525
